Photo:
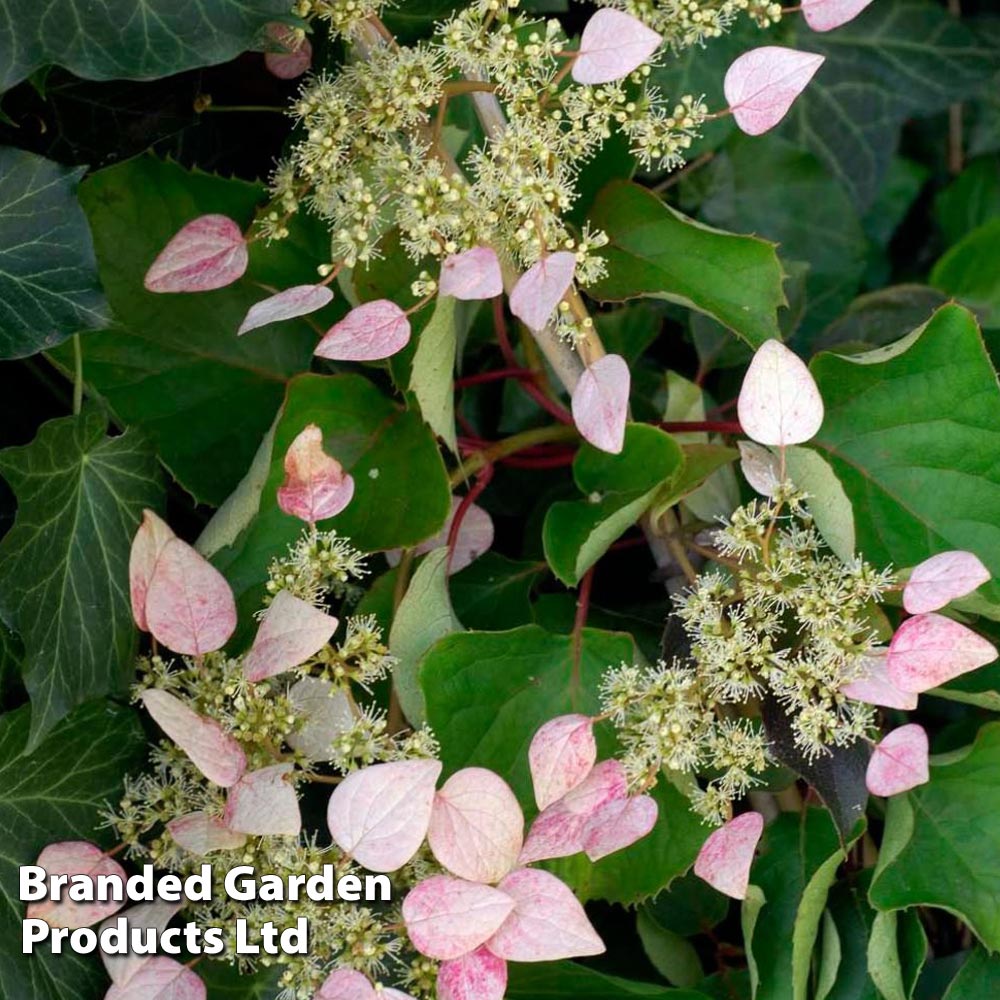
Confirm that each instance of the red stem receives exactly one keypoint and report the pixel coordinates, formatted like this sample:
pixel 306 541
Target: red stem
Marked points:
pixel 482 481
pixel 495 376
pixel 711 426
pixel 583 603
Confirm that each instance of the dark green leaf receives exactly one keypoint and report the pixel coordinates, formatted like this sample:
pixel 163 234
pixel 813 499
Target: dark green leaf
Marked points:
pixel 658 252
pixel 56 793
pixel 970 271
pixel 569 981
pixel 227 982
pixel 978 978
pixel 64 564
pixel 970 200
pixel 493 593
pixel 690 906
pixel 48 273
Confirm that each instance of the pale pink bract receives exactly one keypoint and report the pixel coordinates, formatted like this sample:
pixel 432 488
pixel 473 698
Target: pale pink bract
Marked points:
pixel 613 44
pixel 943 578
pixel 541 288
pixel 899 762
pixel 208 253
pixel 149 541
pixel 292 631
pixel 825 15
pixel 200 833
pixel 562 753
pixel 161 978
pixel 600 403
pixel 263 803
pixel 480 975
pixel 315 485
pixel 471 275
pixel 74 857
pixel 618 824
pixel 726 856
pixel 762 84
pixel 929 650
pixel 369 332
pixel 293 55
pixel 875 686
pixel 289 304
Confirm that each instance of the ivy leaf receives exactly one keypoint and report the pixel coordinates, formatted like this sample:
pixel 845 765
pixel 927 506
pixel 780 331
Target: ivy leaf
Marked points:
pixel 120 38
pixel 48 273
pixel 910 432
pixel 656 251
pixel 619 489
pixel 174 365
pixel 64 564
pixel 56 792
pixel 941 846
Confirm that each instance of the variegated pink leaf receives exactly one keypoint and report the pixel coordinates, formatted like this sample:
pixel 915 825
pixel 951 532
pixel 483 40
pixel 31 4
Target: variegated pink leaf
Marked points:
pixel 148 543
pixel 201 834
pixel 263 803
pixel 211 749
pixel 480 975
pixel 762 84
pixel 600 403
pixel 291 632
pixel 561 755
pixel 726 856
pixel 875 688
pixel 541 288
pixel 475 536
pixel 825 15
pixel 379 815
pixel 160 978
pixel 209 252
pixel 943 578
pixel 292 302
pixel 316 486
pixel 899 762
pixel 448 917
pixel 779 402
pixel 760 468
pixel 189 606
pixel 930 650
pixel 558 830
pixel 327 713
pixel 477 827
pixel 74 857
pixel 548 923
pixel 471 275
pixel 156 914
pixel 612 45
pixel 369 332
pixel 619 824
pixel 292 54
pixel 346 984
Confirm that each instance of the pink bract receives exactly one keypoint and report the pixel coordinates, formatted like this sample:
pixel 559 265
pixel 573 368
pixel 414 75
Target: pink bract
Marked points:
pixel 74 857
pixel 208 253
pixel 346 984
pixel 899 762
pixel 825 15
pixel 612 45
pixel 160 978
pixel 600 403
pixel 156 914
pixel 293 56
pixel 726 856
pixel 929 650
pixel 201 834
pixel 779 403
pixel 369 332
pixel 760 468
pixel 480 975
pixel 148 543
pixel 943 578
pixel 762 84
pixel 211 749
pixel 315 486
pixel 541 288
pixel 876 688
pixel 379 815
pixel 562 753
pixel 289 304
pixel 291 632
pixel 618 824
pixel 263 803
pixel 475 536
pixel 471 275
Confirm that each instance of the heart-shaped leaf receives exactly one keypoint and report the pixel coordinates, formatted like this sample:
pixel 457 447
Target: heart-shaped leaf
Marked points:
pixel 762 84
pixel 301 300
pixel 370 332
pixel 380 814
pixel 201 834
pixel 327 712
pixel 471 275
pixel 779 403
pixel 477 827
pixel 449 917
pixel 208 253
pixel 825 15
pixel 540 289
pixel 480 975
pixel 562 753
pixel 929 650
pixel 212 750
pixel 612 45
pixel 900 762
pixel 943 578
pixel 161 978
pixel 292 631
pixel 75 857
pixel 263 803
pixel 547 923
pixel 618 824
pixel 600 403
pixel 726 856
pixel 316 486
pixel 148 543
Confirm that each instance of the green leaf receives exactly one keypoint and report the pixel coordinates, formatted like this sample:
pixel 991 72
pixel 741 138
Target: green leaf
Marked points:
pixel 424 615
pixel 978 978
pixel 225 981
pixel 174 365
pixel 970 200
pixel 701 462
pixel 494 592
pixel 619 489
pixel 794 870
pixel 673 956
pixel 64 564
pixel 122 38
pixel 911 432
pixel 766 185
pixel 898 59
pixel 56 793
pixel 569 981
pixel 970 271
pixel 48 273
pixel 897 950
pixel 401 491
pixel 828 504
pixel 690 906
pixel 942 842
pixel 656 251
pixel 852 917
pixel 431 378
